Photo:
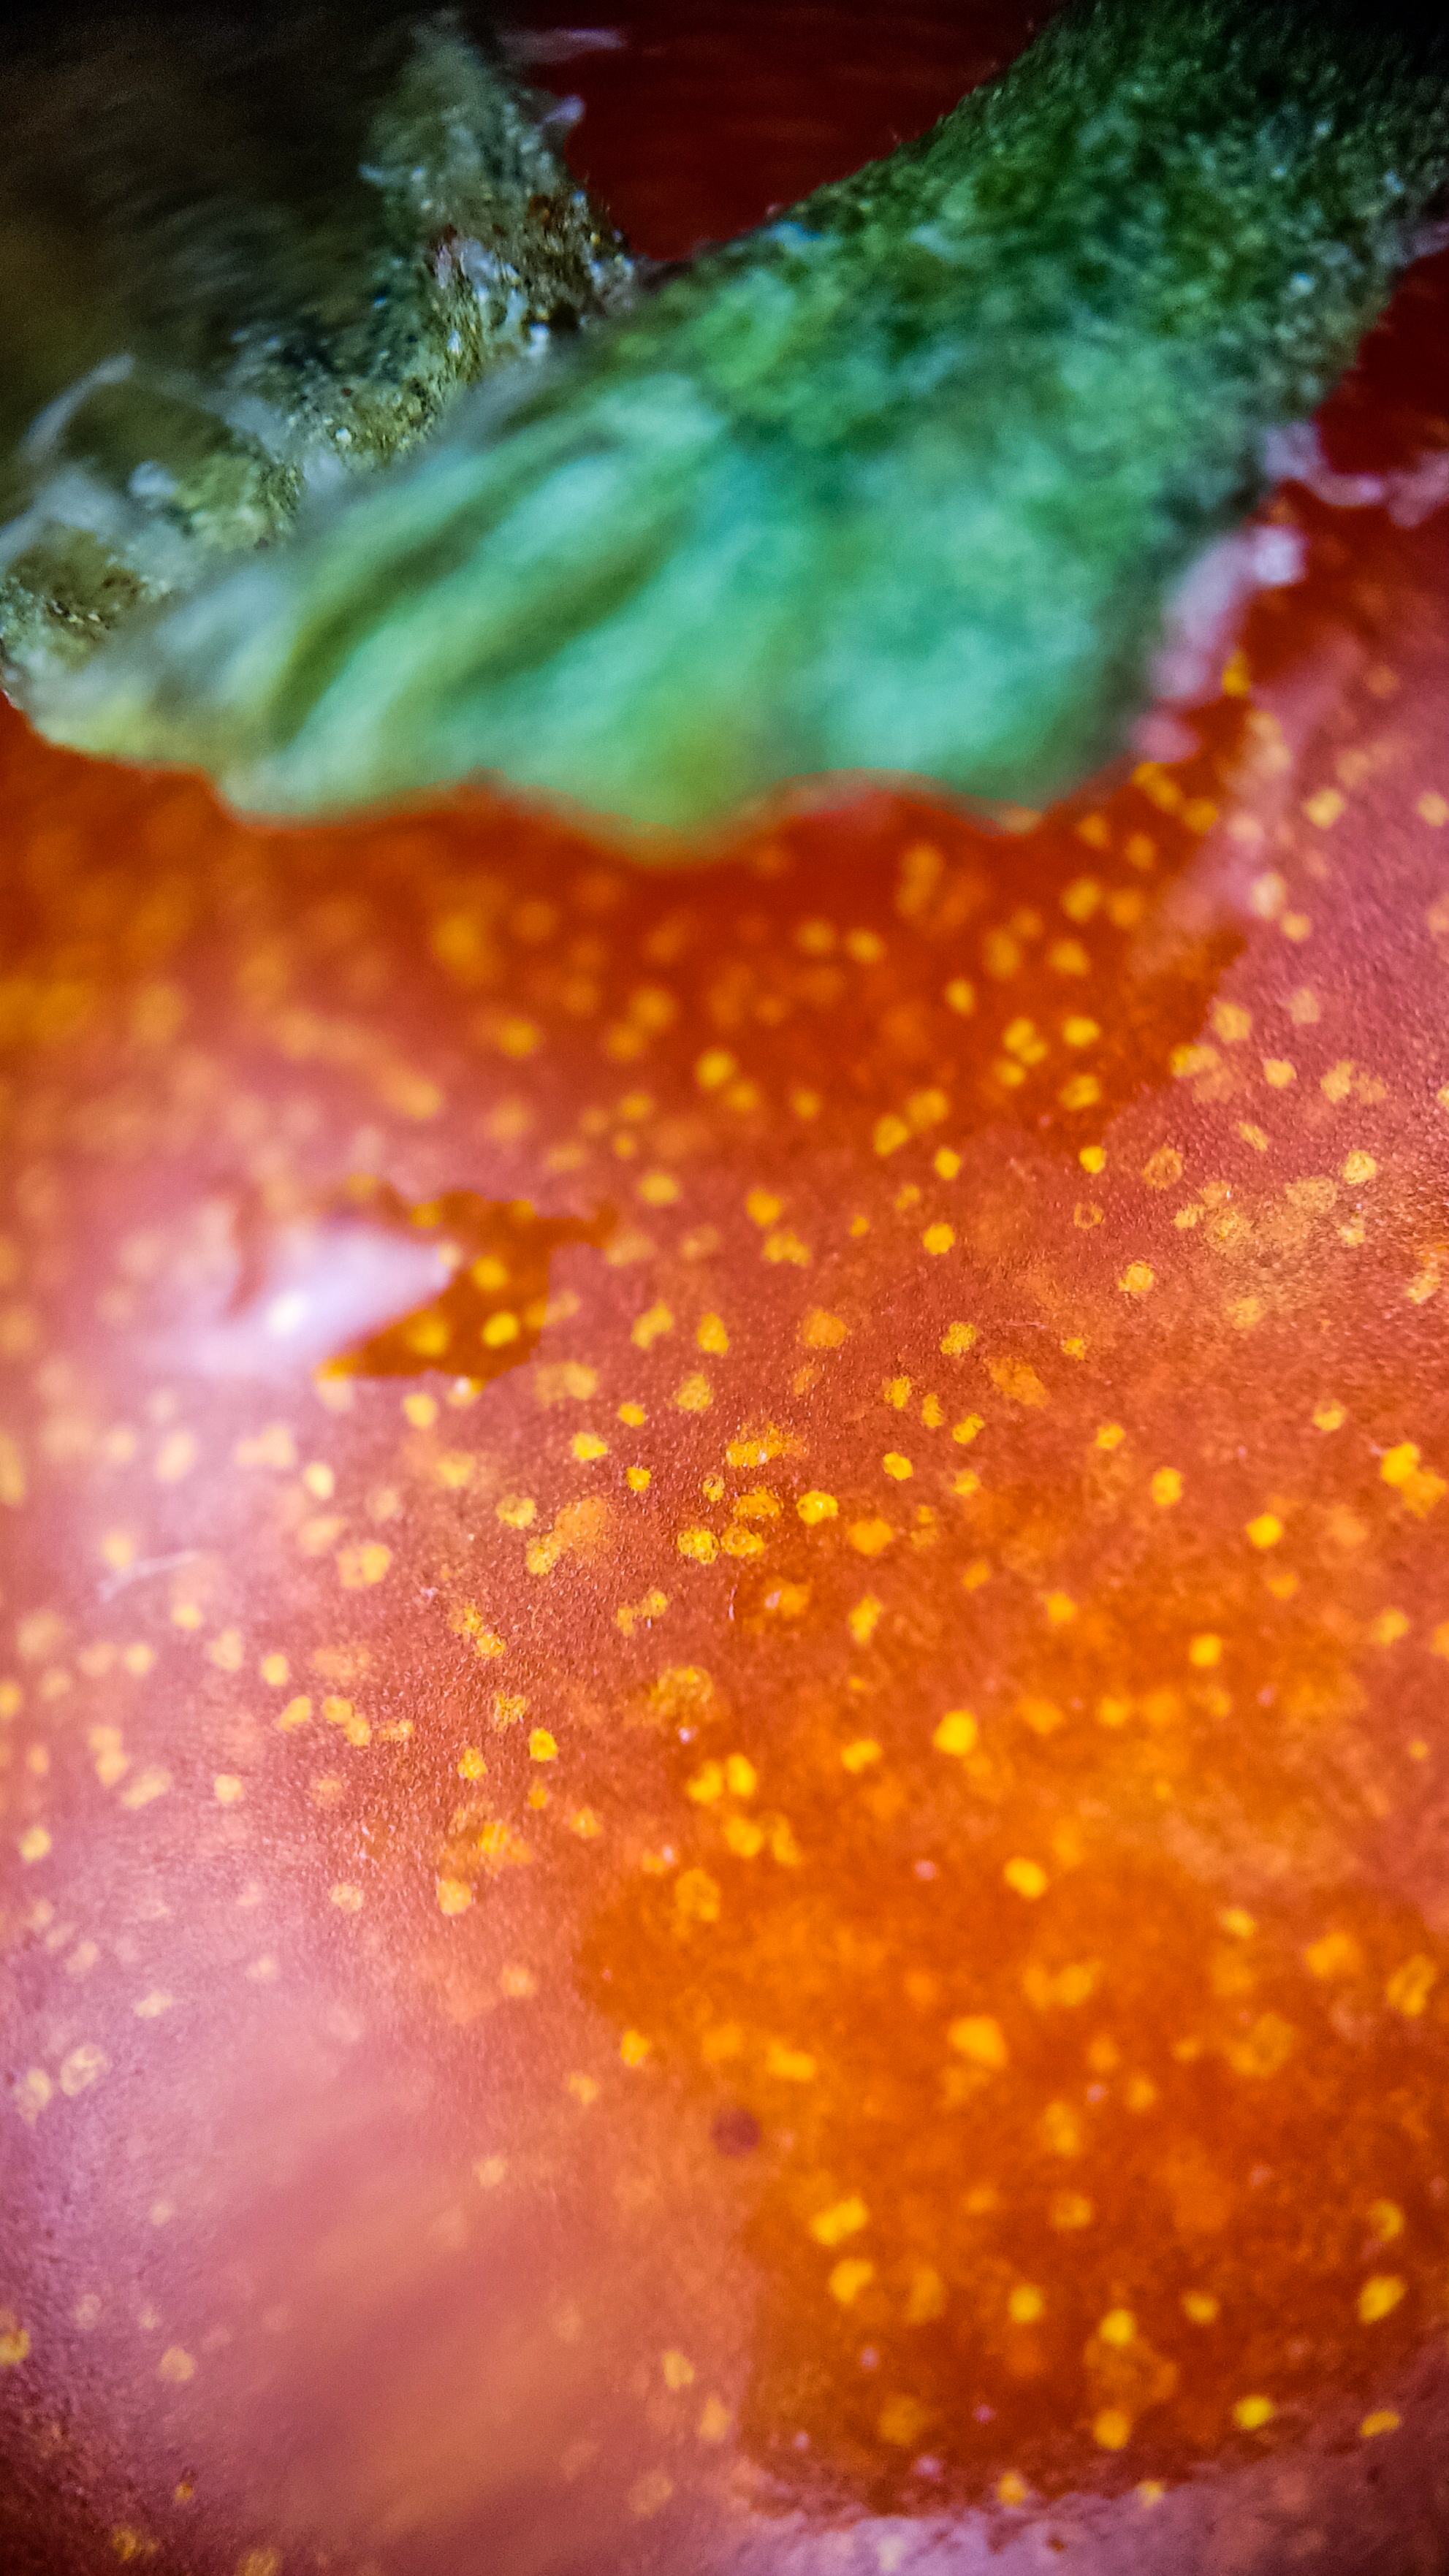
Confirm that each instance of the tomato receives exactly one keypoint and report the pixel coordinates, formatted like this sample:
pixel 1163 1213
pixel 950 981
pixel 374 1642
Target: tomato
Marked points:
pixel 725 1621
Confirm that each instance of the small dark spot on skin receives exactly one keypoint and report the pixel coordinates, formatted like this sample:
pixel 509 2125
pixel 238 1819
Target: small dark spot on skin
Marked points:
pixel 736 2132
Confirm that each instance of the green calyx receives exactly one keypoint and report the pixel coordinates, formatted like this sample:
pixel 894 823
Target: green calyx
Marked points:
pixel 903 482
pixel 230 283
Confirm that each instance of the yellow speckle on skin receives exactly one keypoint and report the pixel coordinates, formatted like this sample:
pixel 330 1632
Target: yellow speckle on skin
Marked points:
pixel 176 1457
pixel 1166 1487
pixel 1110 1436
pixel 346 1897
pixel 1060 1609
pixel 1012 2489
pixel 1200 2307
pixel 14 2347
pixel 1278 1073
pixel 1204 1652
pixel 1387 2220
pixel 1026 2304
pixel 1026 1878
pixel 861 1754
pixel 649 1326
pixel 1265 1531
pixel 1336 1954
pixel 677 2370
pixel 586 1446
pixel 34 1843
pixel 696 1896
pixel 1069 2210
pixel 1250 2414
pixel 743 1837
pixel 1379 2297
pixel 1137 1278
pixel 364 1565
pixel 957 1733
pixel 843 2218
pixel 979 2037
pixel 897 1466
pixel 821 1331
pixel 1112 2428
pixel 789 2065
pixel 1236 1920
pixel 714 2421
pixel 634 2048
pixel 695 1394
pixel 815 1506
pixel 650 2494
pixel 1093 1159
pixel 454 1896
pixel 541 1746
pixel 1382 2420
pixel 938 1238
pixel 699 1545
pixel 1019 1382
pixel 1389 1627
pixel 849 2277
pixel 175 2366
pixel 228 1789
pixel 1118 2328
pixel 1358 1167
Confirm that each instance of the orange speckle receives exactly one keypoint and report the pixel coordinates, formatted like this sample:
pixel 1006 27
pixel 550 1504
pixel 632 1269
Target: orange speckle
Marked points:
pixel 1250 2414
pixel 979 2037
pixel 842 2219
pixel 1112 2428
pixel 860 1755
